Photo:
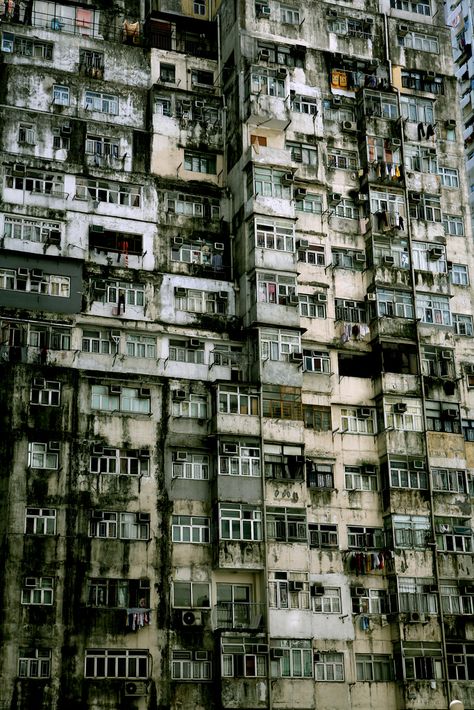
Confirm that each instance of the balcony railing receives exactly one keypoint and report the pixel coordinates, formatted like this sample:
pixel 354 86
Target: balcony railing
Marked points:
pixel 234 616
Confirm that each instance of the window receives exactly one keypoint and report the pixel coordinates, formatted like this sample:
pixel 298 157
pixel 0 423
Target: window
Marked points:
pixel 311 204
pixel 301 153
pixel 304 104
pixel 327 603
pixel 284 462
pixel 281 402
pixel 294 659
pixel 265 81
pixel 40 521
pixel 342 159
pixel 315 361
pixel 99 341
pixel 352 311
pixel 288 590
pixel 289 15
pixel 284 55
pixel 372 601
pixel 27 134
pixel 453 225
pixel 459 275
pixel 241 658
pixel 32 282
pixel 410 419
pixel 420 42
pixel 200 162
pixel 240 522
pixel 92 62
pixel 116 663
pixel 193 205
pixel 278 344
pixel 190 528
pixel 199 7
pixel 239 459
pixel 286 524
pixel 358 420
pixel 388 210
pixel 191 595
pixel 43 456
pixel 34 48
pixel 419 660
pixel 34 663
pixel 33 230
pixel 46 393
pixel 312 255
pixel 116 193
pixel 180 351
pixel 411 531
pixel 449 479
pixel 394 304
pixel 365 537
pixel 422 160
pixel 346 209
pixel 380 105
pixel 421 7
pixel 361 478
pixel 60 141
pixel 348 259
pixel 329 666
pixel 140 346
pixel 120 293
pixel 36 182
pixel 125 526
pixel 433 309
pixel 462 324
pixel 100 146
pixel 114 398
pixel 37 591
pixel 323 535
pixel 191 466
pixel 194 407
pixel 417 110
pixel 460 660
pixel 118 593
pixel 449 177
pixel 60 95
pixel 191 665
pixel 202 78
pixel 408 474
pixel 269 182
pixel 317 417
pixel 423 81
pixel 454 534
pixel 275 235
pixel 162 106
pixel 452 601
pixel 167 73
pixel 120 462
pixel 275 288
pixel 373 667
pixel 319 475
pixel 104 103
pixel 47 336
pixel 195 301
pixel 312 307
pixel 443 416
pixel 426 259
pixel 425 207
pixel 226 355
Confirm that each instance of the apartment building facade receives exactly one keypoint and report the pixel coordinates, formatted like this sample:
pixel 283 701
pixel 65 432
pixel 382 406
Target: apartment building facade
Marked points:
pixel 237 372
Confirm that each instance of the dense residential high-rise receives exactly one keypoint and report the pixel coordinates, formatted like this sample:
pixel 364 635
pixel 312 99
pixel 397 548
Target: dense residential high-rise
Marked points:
pixel 237 373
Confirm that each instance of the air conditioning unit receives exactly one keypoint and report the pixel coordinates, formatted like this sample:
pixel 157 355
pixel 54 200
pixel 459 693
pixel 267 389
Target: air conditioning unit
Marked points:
pixel 191 618
pixel 388 260
pixel 430 74
pixel 276 653
pixel 450 413
pixel 39 382
pixel 443 528
pixel 296 357
pixel 467 589
pixel 302 244
pixel 36 273
pixel 415 617
pixel 97 515
pixel 181 456
pixel 144 583
pixel 446 355
pixel 143 453
pixel 143 517
pixel 180 292
pixel 431 151
pixel 451 123
pixel 395 142
pixel 194 343
pixel 19 169
pixel 97 449
pixel 223 295
pixel 178 241
pixel 436 253
pixel 199 104
pixel 262 648
pixel 115 389
pixel 360 257
pixel 295 586
pixel 145 392
pixel 334 198
pixel 54 445
pixel 403 30
pixel 349 126
pixel 293 300
pixel 219 246
pixel 336 100
pixel 415 196
pixel 364 412
pixel 8 42
pixel 22 272
pixel 360 198
pixel 179 395
pixel 400 407
pixel 371 296
pixel 300 193
pixel 65 129
pixel 369 468
pixel 418 464
pixel 264 11
pixel 322 297
pixel 359 591
pixel 281 73
pixel 230 448
pixel 264 55
pixel 201 655
pixel 458 659
pixel 316 590
pixel 54 236
pixel 133 688
pixel 31 581
pixel 469 369
pixel 288 179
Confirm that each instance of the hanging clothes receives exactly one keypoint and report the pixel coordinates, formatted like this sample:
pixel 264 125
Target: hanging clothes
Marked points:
pixel 421 131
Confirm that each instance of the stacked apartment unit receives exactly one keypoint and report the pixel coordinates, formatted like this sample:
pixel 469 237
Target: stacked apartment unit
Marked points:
pixel 237 374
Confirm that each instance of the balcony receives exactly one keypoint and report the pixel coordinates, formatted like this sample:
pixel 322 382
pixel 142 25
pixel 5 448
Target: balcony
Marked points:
pixel 392 328
pixel 238 616
pixel 180 33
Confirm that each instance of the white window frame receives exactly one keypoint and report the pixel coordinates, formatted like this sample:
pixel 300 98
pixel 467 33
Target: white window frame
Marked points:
pixel 180 352
pixel 459 274
pixel 329 602
pixel 329 667
pixel 40 456
pixel 247 461
pixel 297 659
pixel 374 667
pixel 194 467
pixel 352 423
pixel 99 663
pixel 140 346
pixel 323 535
pixel 278 344
pixel 239 522
pixel 195 406
pixel 449 177
pixel 463 324
pixel 34 664
pixel 99 342
pixel 128 400
pixel 453 225
pixel 289 15
pixel 124 526
pixel 433 310
pixel 119 462
pixel 101 102
pixel 61 95
pixel 311 307
pixel 37 591
pixel 191 529
pixel 357 479
pixel 278 236
pixel 410 420
pixel 48 395
pixel 186 665
pixel 40 521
